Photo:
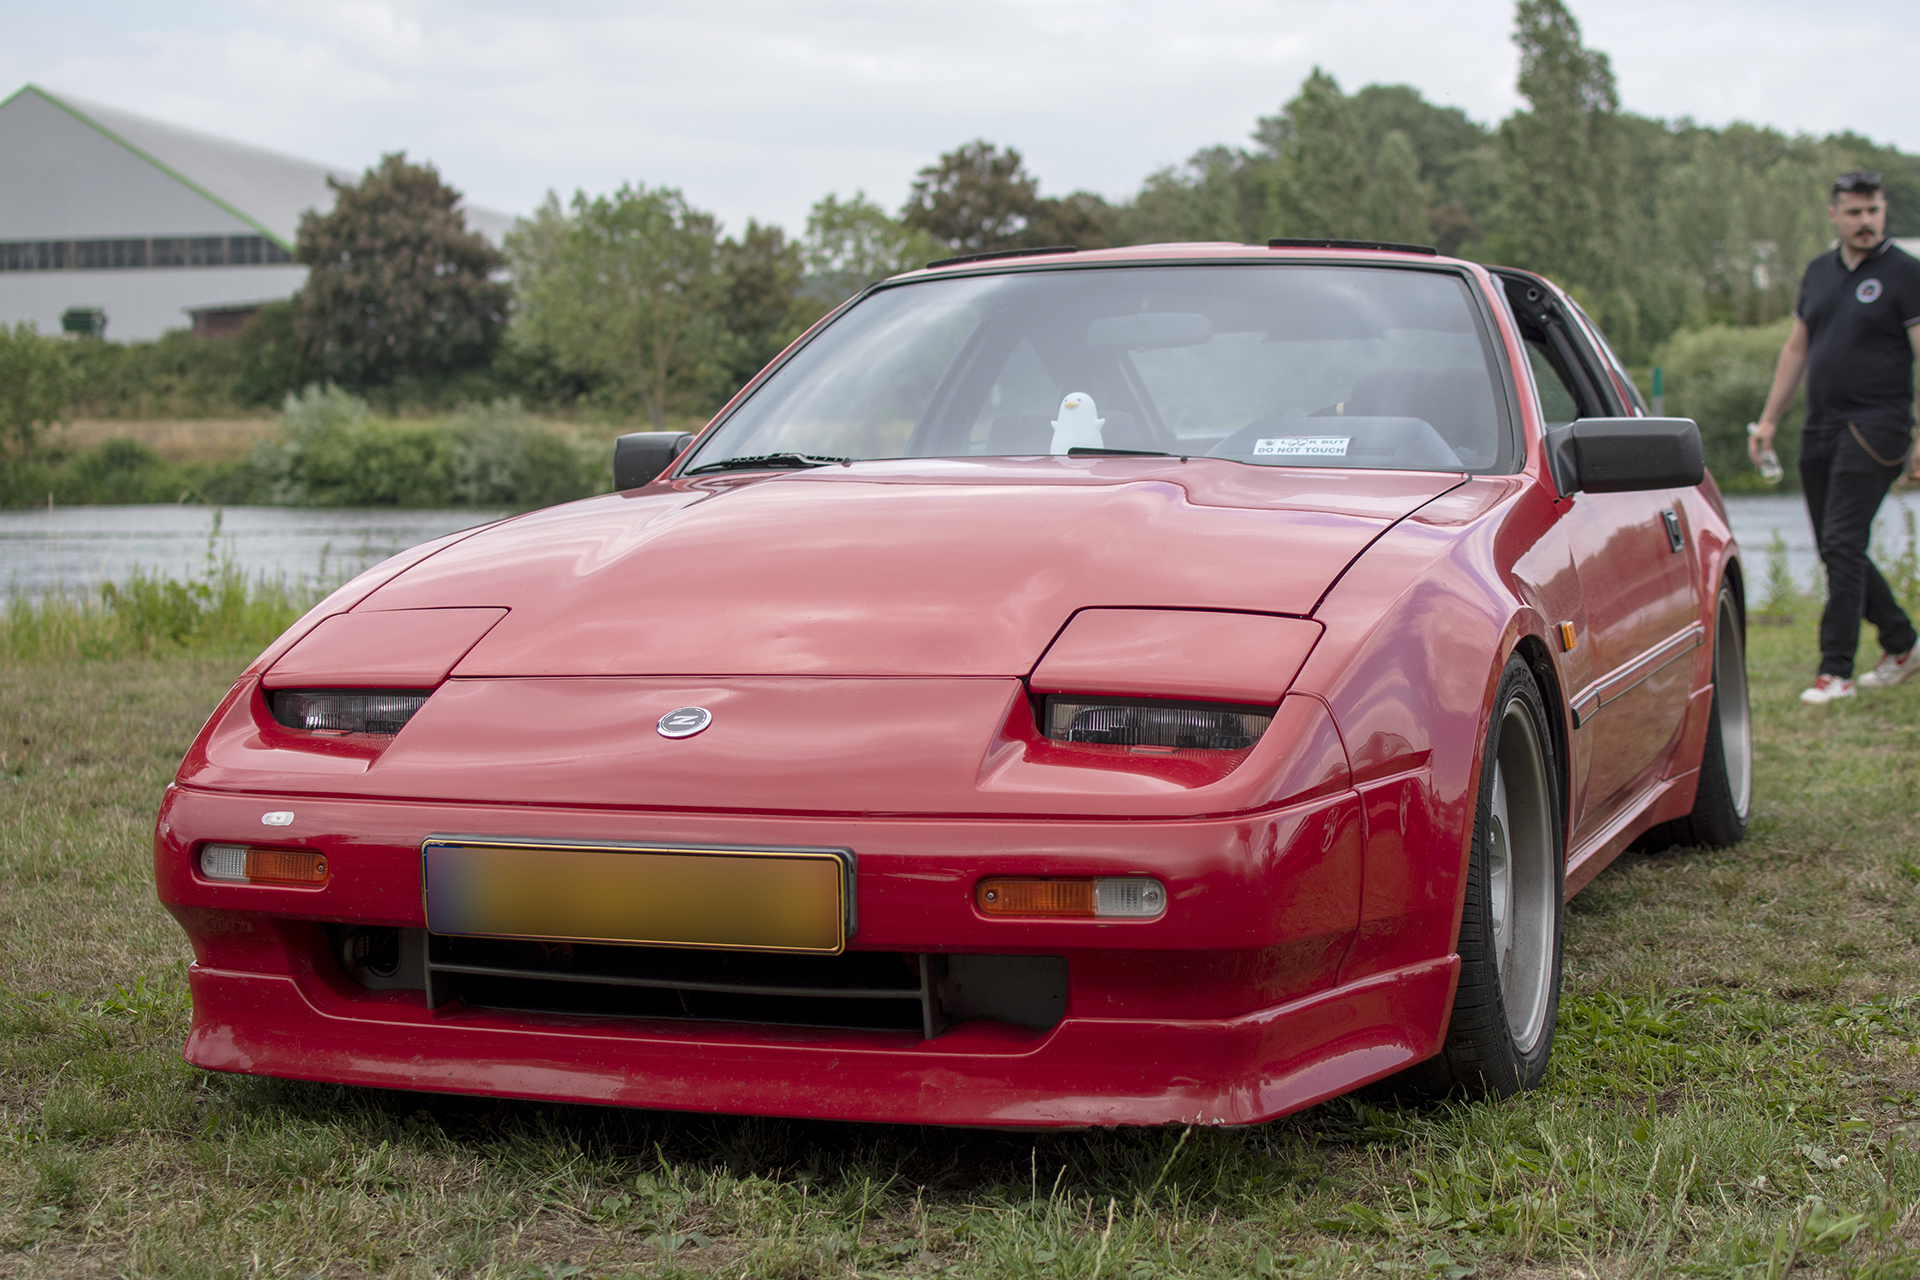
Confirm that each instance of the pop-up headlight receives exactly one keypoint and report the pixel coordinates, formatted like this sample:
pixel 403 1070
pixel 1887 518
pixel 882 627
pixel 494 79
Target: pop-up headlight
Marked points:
pixel 337 711
pixel 1139 723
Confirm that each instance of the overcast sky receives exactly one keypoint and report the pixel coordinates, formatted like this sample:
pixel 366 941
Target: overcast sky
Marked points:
pixel 756 108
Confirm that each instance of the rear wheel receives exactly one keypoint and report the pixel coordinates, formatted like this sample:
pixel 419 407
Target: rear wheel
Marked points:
pixel 1511 923
pixel 1725 795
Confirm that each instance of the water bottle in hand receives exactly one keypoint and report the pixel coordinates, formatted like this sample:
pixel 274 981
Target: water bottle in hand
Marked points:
pixel 1769 464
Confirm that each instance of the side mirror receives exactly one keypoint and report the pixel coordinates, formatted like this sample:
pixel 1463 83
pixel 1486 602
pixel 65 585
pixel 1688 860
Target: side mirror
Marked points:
pixel 640 456
pixel 1621 455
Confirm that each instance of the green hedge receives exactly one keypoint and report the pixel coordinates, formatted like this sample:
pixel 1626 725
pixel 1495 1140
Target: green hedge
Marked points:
pixel 1719 376
pixel 331 452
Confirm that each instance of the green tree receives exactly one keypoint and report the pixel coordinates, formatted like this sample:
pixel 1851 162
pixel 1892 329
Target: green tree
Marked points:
pixel 1458 160
pixel 273 361
pixel 1324 179
pixel 1560 158
pixel 625 289
pixel 1215 195
pixel 399 287
pixel 852 243
pixel 760 302
pixel 975 199
pixel 1081 219
pixel 37 385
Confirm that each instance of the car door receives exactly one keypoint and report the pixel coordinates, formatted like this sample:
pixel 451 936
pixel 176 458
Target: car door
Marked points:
pixel 1631 558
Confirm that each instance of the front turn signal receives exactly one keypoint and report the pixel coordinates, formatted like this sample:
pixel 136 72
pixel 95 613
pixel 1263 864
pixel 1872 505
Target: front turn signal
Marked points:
pixel 1103 898
pixel 237 863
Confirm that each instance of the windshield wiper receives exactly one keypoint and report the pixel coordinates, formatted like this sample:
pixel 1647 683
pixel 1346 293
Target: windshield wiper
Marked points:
pixel 767 462
pixel 1079 451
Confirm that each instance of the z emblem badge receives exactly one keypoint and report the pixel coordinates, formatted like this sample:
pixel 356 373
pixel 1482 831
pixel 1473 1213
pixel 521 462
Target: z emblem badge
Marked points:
pixel 685 722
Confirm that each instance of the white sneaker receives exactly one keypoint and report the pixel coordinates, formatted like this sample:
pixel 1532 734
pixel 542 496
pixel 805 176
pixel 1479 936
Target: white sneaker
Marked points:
pixel 1827 689
pixel 1892 670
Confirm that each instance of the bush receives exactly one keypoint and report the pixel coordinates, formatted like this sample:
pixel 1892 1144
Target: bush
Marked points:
pixel 335 454
pixel 1719 376
pixel 177 375
pixel 501 458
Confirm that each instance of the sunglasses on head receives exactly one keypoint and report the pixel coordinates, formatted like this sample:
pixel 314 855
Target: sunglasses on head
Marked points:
pixel 1860 182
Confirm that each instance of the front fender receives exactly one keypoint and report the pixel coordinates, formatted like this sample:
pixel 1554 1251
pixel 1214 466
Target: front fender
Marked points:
pixel 1418 632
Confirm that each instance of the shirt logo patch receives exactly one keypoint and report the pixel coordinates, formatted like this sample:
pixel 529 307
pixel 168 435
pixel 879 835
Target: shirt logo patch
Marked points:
pixel 1868 290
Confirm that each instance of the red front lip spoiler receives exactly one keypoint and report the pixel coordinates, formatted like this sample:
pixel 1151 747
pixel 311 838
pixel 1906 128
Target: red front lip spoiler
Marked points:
pixel 1230 1009
pixel 1086 1071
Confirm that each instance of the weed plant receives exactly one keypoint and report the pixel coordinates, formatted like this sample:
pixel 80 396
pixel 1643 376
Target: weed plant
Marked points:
pixel 220 608
pixel 1735 1088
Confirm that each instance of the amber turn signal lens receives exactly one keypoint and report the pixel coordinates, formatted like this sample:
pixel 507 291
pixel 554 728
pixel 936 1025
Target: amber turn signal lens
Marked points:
pixel 1116 897
pixel 1036 897
pixel 285 866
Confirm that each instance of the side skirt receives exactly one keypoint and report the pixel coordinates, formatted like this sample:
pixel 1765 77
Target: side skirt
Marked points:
pixel 1665 800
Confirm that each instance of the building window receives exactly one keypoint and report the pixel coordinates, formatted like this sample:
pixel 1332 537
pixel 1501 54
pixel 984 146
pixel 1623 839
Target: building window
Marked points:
pixel 35 255
pixel 167 251
pixel 96 255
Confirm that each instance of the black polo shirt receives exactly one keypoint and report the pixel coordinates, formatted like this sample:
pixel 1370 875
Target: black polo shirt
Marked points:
pixel 1859 361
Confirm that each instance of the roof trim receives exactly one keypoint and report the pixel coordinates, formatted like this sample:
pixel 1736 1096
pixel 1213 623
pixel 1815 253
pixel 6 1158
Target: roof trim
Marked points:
pixel 171 172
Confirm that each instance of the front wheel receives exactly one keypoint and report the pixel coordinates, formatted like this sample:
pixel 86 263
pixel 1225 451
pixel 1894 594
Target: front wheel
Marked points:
pixel 1512 922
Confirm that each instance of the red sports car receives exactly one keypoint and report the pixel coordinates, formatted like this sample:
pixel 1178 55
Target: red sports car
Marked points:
pixel 1166 684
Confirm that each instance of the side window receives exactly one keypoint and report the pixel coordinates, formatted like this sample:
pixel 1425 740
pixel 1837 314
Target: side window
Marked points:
pixel 1622 379
pixel 1558 400
pixel 1569 376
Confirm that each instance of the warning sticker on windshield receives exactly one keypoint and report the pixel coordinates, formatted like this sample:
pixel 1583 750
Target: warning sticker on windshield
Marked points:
pixel 1302 447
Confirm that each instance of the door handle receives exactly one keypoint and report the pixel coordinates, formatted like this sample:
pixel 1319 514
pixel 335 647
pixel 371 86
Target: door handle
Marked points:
pixel 1675 541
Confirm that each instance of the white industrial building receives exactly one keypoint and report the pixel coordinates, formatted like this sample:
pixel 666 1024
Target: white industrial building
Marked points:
pixel 154 226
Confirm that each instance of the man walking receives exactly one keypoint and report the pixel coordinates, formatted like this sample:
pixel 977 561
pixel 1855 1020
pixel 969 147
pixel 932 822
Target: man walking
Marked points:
pixel 1855 338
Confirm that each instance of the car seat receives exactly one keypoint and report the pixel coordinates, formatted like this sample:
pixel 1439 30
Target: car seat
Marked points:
pixel 1457 403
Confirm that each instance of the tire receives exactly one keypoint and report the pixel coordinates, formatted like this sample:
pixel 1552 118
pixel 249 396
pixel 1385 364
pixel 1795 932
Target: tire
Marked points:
pixel 1725 796
pixel 1512 920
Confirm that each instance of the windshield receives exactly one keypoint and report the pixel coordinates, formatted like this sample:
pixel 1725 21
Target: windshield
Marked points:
pixel 1325 366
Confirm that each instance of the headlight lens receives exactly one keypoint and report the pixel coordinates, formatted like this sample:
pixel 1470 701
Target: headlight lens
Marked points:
pixel 1173 725
pixel 333 711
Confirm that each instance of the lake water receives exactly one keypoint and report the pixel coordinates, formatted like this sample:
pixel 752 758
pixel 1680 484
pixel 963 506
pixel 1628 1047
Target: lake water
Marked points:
pixel 1755 517
pixel 78 548
pixel 75 549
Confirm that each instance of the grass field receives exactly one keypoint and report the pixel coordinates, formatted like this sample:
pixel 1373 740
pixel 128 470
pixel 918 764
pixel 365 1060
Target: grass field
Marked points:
pixel 1735 1088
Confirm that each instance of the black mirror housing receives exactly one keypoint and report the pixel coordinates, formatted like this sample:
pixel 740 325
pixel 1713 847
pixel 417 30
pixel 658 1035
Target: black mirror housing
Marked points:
pixel 1624 455
pixel 640 456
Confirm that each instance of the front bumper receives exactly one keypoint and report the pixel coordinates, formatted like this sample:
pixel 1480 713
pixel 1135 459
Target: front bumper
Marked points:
pixel 1227 1010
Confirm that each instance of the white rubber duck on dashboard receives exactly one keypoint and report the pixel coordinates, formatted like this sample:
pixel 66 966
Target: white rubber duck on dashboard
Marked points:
pixel 1079 423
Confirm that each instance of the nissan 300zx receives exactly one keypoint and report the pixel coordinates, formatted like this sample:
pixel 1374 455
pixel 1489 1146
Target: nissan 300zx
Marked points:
pixel 1167 684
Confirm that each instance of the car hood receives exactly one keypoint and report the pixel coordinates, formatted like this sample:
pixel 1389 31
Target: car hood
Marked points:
pixel 895 569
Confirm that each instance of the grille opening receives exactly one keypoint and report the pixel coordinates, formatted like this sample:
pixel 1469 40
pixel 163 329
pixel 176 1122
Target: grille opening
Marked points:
pixel 857 990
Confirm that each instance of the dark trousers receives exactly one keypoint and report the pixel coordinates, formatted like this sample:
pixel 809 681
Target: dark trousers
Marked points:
pixel 1844 486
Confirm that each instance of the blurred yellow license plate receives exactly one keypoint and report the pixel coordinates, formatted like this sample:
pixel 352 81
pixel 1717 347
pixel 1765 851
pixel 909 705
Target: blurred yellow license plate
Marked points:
pixel 747 899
